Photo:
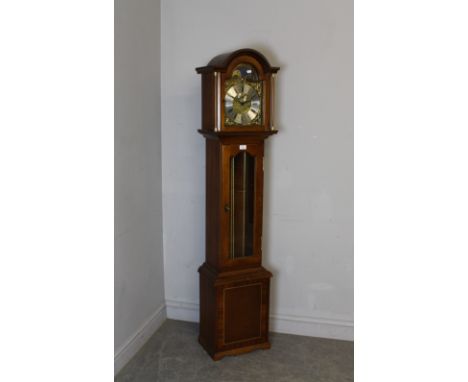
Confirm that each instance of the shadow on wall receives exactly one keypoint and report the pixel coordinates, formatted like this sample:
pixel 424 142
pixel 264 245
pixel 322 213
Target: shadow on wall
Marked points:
pixel 274 60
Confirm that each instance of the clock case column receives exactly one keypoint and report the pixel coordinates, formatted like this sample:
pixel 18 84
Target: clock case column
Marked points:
pixel 234 292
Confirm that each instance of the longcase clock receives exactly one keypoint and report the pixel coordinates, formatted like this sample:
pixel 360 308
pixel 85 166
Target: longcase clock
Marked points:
pixel 237 117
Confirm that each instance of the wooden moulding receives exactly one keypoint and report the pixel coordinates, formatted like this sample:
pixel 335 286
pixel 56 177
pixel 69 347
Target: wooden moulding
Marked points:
pixel 222 278
pixel 261 134
pixel 221 62
pixel 246 349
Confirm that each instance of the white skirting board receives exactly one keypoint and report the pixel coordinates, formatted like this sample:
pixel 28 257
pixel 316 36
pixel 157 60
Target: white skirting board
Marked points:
pixel 143 334
pixel 279 323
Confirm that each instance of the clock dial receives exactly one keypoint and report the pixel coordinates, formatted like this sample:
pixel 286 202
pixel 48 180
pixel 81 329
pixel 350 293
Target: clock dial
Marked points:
pixel 242 99
pixel 242 103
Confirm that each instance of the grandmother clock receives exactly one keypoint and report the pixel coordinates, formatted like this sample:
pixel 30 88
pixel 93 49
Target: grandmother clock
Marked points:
pixel 237 117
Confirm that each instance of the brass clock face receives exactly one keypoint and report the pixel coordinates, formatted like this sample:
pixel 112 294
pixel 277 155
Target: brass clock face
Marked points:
pixel 243 97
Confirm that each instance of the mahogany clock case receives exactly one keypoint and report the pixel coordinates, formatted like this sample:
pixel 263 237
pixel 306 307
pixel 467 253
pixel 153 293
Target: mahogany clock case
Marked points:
pixel 234 287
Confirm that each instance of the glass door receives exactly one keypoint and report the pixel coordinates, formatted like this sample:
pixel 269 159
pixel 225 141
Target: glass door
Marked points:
pixel 241 209
pixel 242 197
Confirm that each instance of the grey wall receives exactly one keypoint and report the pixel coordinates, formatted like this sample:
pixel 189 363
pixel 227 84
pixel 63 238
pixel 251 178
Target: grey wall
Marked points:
pixel 308 229
pixel 138 284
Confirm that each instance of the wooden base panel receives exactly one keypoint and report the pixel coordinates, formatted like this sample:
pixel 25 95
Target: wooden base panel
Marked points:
pixel 233 310
pixel 233 352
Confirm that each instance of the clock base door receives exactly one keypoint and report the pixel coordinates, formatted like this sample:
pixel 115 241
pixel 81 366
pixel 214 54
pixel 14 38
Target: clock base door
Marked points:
pixel 234 311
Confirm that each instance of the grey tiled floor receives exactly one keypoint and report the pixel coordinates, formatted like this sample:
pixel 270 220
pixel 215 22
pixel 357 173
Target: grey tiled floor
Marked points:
pixel 173 354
